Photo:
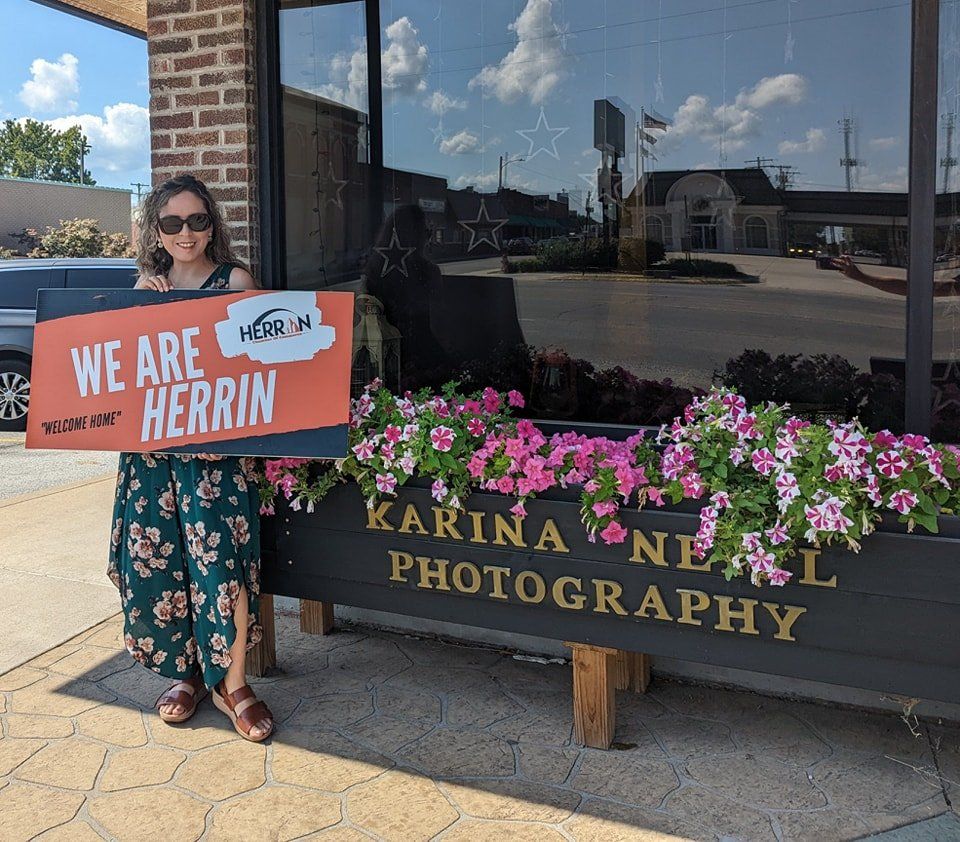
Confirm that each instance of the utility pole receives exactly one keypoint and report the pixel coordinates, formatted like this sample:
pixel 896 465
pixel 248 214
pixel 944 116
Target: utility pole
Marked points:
pixel 760 162
pixel 848 162
pixel 949 160
pixel 139 185
pixel 785 176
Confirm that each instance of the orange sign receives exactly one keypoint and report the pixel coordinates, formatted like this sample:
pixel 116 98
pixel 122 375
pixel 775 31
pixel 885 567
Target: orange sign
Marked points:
pixel 238 368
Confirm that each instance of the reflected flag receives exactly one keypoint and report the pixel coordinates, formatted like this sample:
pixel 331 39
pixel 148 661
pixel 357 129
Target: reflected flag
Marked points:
pixel 654 121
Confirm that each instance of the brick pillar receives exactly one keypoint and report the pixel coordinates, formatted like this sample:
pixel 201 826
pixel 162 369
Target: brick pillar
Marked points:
pixel 203 117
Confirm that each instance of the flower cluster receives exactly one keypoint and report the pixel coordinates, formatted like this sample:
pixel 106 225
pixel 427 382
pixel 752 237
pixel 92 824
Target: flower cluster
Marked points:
pixel 767 481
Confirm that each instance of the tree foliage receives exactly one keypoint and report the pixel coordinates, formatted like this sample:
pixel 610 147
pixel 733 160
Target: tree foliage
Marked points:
pixel 74 238
pixel 31 149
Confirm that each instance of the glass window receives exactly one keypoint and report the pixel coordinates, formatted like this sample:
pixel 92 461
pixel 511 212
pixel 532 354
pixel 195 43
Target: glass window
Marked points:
pixel 91 277
pixel 556 173
pixel 323 80
pixel 755 233
pixel 945 416
pixel 18 287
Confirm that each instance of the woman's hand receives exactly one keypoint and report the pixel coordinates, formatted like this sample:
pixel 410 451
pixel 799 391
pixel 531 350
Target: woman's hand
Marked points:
pixel 210 457
pixel 158 283
pixel 845 266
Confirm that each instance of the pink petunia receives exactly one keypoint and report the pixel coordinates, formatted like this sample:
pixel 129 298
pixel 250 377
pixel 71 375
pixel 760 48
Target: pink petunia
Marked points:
pixel 777 534
pixel 721 499
pixel 602 508
pixel 891 464
pixel 763 461
pixel 519 510
pixel 614 533
pixel 386 483
pixel 514 398
pixel 439 490
pixel 903 501
pixel 476 427
pixel 442 438
pixel 392 433
pixel 779 577
pixel 363 450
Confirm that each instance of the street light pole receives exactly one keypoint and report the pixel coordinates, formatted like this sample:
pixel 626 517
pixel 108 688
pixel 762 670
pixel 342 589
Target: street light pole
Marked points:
pixel 503 166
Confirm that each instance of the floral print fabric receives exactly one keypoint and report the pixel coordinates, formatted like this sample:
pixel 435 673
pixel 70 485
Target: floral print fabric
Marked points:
pixel 185 539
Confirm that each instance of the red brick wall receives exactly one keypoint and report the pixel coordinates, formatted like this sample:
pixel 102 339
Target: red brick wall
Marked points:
pixel 203 105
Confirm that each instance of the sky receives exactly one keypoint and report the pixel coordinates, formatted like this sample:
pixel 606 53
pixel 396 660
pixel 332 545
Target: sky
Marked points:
pixel 63 70
pixel 466 82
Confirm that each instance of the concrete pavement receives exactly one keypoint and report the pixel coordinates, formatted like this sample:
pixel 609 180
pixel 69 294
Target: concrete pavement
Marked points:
pixel 53 554
pixel 389 737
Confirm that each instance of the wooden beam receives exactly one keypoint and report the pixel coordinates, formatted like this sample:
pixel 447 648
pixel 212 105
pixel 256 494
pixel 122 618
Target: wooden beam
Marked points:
pixel 316 617
pixel 594 699
pixel 264 654
pixel 633 671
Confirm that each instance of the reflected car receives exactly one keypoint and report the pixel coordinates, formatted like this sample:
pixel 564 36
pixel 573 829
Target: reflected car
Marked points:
pixel 802 250
pixel 20 280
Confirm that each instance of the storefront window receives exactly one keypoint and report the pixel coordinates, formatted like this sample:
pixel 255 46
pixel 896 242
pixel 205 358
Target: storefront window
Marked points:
pixel 945 418
pixel 609 206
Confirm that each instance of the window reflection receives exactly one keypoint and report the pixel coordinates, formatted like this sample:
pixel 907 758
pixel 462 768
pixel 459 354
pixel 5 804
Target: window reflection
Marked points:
pixel 610 207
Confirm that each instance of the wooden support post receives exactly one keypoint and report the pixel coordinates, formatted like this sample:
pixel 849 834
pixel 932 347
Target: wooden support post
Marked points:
pixel 264 654
pixel 633 671
pixel 316 617
pixel 594 702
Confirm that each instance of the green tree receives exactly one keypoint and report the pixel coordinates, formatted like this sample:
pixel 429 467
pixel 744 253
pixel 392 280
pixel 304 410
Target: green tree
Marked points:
pixel 31 149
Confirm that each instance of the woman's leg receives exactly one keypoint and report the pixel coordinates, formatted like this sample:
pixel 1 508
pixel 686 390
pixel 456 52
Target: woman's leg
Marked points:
pixel 236 676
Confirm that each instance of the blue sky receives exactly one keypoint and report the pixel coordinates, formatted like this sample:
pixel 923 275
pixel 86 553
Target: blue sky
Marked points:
pixel 462 76
pixel 59 68
pixel 736 79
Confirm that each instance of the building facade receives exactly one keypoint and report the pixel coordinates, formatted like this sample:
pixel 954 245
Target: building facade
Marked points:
pixel 27 203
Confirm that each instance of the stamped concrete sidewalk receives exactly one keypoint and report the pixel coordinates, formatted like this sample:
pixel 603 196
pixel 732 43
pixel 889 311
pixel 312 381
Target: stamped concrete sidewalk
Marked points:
pixel 389 737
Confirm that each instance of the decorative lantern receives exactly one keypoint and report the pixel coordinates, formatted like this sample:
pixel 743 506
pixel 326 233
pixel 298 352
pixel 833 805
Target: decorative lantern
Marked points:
pixel 376 346
pixel 553 388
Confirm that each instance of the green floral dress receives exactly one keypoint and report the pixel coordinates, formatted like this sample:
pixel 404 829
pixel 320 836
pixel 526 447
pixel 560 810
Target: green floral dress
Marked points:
pixel 186 536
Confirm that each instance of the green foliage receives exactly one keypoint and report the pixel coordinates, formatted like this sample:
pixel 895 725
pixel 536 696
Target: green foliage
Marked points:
pixel 637 254
pixel 31 149
pixel 76 238
pixel 700 268
pixel 567 254
pixel 6 254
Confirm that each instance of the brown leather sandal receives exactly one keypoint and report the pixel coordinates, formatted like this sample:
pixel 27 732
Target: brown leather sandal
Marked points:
pixel 243 710
pixel 188 694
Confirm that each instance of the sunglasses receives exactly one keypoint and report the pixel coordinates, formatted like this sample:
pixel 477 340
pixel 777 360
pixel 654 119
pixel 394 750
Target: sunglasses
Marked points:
pixel 174 224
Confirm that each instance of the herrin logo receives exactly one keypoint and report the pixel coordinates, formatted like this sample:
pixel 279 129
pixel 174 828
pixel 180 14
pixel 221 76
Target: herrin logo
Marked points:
pixel 275 327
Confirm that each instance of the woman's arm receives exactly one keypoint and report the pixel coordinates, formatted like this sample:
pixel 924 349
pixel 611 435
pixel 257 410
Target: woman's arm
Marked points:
pixel 896 286
pixel 241 279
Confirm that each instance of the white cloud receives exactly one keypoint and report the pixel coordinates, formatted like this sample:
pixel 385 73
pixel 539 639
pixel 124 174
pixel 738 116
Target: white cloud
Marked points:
pixel 734 123
pixel 488 181
pixel 785 89
pixel 533 68
pixel 52 85
pixel 462 143
pixel 814 141
pixel 894 181
pixel 439 102
pixel 884 142
pixel 119 140
pixel 403 67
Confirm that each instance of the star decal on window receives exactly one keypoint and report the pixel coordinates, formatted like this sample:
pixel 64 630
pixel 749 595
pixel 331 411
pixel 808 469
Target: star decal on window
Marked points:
pixel 542 138
pixel 395 256
pixel 483 229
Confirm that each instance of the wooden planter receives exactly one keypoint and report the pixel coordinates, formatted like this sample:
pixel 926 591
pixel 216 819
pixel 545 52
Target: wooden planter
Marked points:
pixel 886 619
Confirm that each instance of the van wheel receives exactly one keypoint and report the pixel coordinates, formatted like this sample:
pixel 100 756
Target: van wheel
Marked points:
pixel 14 394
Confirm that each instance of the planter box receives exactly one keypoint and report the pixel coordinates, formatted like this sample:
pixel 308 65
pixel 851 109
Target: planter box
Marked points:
pixel 886 619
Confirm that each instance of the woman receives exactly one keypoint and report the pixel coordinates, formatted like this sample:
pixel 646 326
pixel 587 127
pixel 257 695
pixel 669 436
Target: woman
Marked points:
pixel 184 551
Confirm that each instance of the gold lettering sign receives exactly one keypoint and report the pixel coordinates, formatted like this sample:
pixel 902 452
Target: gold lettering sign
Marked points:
pixel 608 597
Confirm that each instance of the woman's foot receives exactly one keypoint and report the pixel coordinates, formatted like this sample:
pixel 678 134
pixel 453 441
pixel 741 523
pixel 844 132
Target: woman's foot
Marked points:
pixel 251 718
pixel 179 702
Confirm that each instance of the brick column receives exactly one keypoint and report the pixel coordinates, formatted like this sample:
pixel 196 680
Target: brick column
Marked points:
pixel 203 116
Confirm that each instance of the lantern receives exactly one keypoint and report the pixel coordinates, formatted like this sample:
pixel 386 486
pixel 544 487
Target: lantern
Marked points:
pixel 376 346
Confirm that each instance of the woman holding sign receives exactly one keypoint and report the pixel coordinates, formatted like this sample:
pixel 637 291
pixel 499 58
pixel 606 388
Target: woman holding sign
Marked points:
pixel 184 551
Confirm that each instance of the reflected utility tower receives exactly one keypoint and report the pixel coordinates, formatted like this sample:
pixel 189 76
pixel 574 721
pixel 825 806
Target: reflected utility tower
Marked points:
pixel 948 161
pixel 848 161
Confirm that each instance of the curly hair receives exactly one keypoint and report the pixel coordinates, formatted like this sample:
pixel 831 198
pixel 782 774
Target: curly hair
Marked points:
pixel 153 258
